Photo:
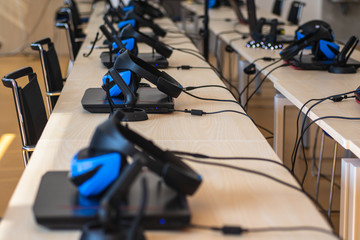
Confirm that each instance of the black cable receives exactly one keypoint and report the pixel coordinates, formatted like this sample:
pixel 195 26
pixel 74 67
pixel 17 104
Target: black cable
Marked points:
pixel 207 86
pixel 302 142
pixel 247 91
pixel 224 79
pixel 302 139
pixel 238 230
pixel 293 155
pixel 199 155
pixel 264 175
pixel 217 46
pixel 188 67
pixel 257 74
pixel 134 227
pixel 195 53
pixel 251 171
pixel 321 118
pixel 246 170
pixel 108 97
pixel 231 101
pixel 198 112
pixel 190 52
pixel 262 81
pixel 212 99
pixel 92 46
pixel 266 130
pixel 335 98
pixel 299 228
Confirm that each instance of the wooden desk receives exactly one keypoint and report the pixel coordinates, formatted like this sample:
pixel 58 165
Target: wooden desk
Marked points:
pixel 225 197
pixel 300 86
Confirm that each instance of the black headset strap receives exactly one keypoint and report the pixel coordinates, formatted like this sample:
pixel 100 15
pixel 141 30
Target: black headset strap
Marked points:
pixel 129 97
pixel 163 81
pixel 145 22
pixel 128 31
pixel 112 136
pixel 111 38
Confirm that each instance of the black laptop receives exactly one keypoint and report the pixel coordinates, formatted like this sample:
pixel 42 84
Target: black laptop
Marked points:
pixel 150 99
pixel 58 204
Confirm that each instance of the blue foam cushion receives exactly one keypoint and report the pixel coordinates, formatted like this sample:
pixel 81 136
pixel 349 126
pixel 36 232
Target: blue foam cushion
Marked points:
pixel 212 3
pixel 115 90
pixel 128 8
pixel 325 48
pixel 109 169
pixel 121 24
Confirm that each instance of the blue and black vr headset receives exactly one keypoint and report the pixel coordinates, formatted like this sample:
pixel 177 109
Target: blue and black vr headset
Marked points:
pixel 132 69
pixel 95 168
pixel 315 35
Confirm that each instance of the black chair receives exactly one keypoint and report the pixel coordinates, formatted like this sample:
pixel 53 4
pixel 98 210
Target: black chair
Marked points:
pixel 51 70
pixel 295 12
pixel 277 7
pixel 79 21
pixel 30 108
pixel 63 21
pixel 72 17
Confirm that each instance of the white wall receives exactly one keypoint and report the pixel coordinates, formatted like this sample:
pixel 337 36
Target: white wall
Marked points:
pixel 344 24
pixel 312 9
pixel 25 21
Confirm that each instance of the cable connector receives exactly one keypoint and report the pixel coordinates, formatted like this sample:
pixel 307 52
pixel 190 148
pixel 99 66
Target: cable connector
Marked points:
pixel 338 98
pixel 197 112
pixel 189 88
pixel 233 230
pixel 184 67
pixel 251 69
pixel 268 59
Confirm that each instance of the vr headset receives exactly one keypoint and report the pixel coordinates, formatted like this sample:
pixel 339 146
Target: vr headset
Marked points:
pixel 140 69
pixel 142 21
pixel 315 35
pixel 95 168
pixel 143 7
pixel 129 31
pixel 117 45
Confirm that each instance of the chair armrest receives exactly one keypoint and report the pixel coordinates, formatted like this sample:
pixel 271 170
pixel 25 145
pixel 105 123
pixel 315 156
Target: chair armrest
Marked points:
pixel 53 94
pixel 29 148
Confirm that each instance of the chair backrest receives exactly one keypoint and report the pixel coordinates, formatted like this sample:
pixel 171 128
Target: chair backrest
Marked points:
pixel 51 69
pixel 73 19
pixel 73 46
pixel 29 105
pixel 277 7
pixel 295 12
pixel 75 12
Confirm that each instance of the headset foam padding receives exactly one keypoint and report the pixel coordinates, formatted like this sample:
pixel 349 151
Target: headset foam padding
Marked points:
pixel 132 80
pixel 93 174
pixel 122 24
